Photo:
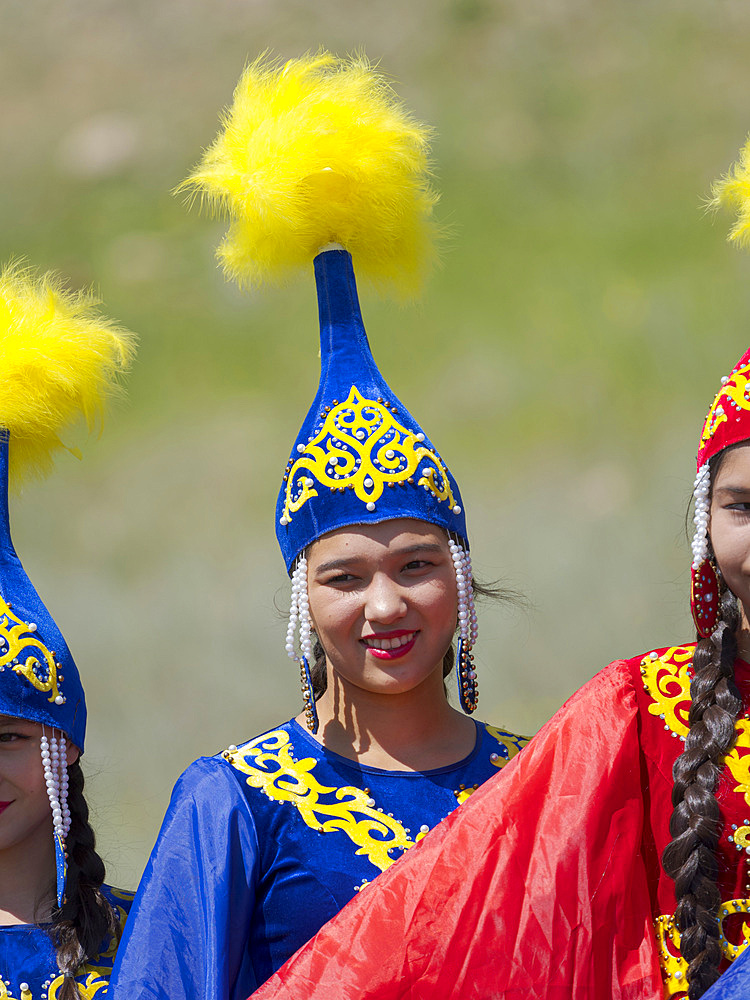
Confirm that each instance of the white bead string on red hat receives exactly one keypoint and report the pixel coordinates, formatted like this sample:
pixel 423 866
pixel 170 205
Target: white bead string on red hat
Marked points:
pixel 701 491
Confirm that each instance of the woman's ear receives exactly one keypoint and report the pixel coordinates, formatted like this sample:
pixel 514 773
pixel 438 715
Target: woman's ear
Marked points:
pixel 72 753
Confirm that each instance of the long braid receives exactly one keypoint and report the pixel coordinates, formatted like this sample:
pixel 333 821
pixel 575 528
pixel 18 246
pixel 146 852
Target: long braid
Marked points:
pixel 695 826
pixel 86 918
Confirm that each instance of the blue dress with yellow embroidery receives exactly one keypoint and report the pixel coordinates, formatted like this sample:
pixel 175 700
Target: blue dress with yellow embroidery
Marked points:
pixel 263 844
pixel 28 967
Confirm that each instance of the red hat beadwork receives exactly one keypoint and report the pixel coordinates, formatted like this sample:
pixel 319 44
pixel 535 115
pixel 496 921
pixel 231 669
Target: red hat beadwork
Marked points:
pixel 727 423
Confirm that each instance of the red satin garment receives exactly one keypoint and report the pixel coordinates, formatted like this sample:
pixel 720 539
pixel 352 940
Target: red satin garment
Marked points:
pixel 536 887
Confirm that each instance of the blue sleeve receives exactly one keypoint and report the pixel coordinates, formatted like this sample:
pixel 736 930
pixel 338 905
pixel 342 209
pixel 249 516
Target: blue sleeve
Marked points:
pixel 187 932
pixel 734 984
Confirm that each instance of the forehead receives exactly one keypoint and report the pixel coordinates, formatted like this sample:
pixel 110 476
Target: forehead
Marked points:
pixel 12 720
pixel 365 539
pixel 735 466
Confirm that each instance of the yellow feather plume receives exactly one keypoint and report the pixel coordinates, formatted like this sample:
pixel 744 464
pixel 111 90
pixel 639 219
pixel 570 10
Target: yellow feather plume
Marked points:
pixel 319 151
pixel 59 358
pixel 733 191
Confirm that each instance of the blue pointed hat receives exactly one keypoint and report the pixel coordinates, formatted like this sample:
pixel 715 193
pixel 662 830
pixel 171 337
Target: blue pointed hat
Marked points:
pixel 320 152
pixel 360 457
pixel 58 359
pixel 39 680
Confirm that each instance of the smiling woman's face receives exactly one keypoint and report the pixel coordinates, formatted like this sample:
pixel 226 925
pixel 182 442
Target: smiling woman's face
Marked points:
pixel 383 601
pixel 25 815
pixel 730 522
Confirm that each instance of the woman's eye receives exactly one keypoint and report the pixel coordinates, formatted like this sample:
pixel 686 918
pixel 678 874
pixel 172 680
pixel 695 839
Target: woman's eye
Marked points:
pixel 11 737
pixel 742 508
pixel 417 564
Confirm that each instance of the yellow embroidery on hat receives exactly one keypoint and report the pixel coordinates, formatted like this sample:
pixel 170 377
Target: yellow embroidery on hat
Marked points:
pixel 19 636
pixel 361 446
pixel 269 764
pixel 733 393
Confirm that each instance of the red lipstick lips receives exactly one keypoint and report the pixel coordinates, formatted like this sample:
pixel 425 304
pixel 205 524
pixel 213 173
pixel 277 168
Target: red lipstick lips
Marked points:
pixel 390 650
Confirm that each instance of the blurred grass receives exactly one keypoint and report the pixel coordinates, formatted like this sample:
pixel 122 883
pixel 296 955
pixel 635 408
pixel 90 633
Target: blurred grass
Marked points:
pixel 562 358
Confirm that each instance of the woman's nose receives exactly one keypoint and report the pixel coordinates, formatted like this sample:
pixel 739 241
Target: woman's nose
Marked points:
pixel 385 602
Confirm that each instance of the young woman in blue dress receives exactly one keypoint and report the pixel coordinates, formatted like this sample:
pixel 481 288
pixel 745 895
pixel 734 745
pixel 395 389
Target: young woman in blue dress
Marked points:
pixel 265 842
pixel 59 922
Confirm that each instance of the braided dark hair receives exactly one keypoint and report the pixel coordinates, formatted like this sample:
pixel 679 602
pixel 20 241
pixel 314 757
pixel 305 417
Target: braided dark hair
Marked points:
pixel 695 826
pixel 86 918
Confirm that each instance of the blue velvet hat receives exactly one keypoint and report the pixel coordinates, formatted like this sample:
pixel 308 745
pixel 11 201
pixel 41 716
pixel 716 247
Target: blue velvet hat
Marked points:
pixel 39 680
pixel 360 457
pixel 58 360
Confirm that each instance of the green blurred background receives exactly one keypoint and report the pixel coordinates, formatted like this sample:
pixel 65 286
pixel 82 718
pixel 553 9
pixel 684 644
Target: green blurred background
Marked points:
pixel 562 359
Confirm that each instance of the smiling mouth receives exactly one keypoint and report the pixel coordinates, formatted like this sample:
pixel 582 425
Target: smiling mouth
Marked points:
pixel 390 647
pixel 4 805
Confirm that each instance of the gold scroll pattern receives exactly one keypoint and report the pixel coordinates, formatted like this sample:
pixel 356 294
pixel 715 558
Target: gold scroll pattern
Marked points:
pixel 269 764
pixel 361 446
pixel 89 985
pixel 667 681
pixel 18 635
pixel 674 966
pixel 734 391
pixel 93 978
pixel 666 678
pixel 510 744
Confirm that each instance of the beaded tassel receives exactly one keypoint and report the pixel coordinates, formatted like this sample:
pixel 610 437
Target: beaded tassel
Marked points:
pixel 54 762
pixel 701 490
pixel 705 586
pixel 54 752
pixel 468 629
pixel 299 615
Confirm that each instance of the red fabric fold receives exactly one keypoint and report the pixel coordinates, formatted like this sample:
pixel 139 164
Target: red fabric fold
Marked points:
pixel 536 887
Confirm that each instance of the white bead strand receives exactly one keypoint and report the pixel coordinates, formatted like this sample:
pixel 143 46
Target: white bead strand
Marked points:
pixel 467 627
pixel 293 614
pixel 701 492
pixel 299 615
pixel 50 751
pixel 64 783
pixel 463 587
pixel 473 623
pixel 305 624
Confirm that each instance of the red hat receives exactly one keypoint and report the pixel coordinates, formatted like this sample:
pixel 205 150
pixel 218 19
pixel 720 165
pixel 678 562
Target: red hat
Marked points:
pixel 728 420
pixel 727 423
